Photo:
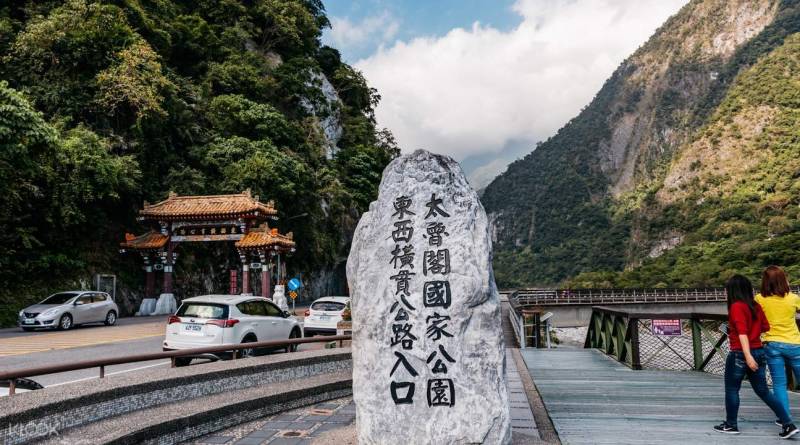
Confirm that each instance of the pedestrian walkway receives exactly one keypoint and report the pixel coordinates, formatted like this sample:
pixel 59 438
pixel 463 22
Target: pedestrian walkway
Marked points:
pixel 309 425
pixel 522 423
pixel 593 399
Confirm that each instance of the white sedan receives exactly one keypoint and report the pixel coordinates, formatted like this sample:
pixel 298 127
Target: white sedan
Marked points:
pixel 216 320
pixel 323 315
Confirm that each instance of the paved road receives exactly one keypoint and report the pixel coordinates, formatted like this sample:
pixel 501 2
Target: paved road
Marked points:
pixel 135 335
pixel 125 321
pixel 15 341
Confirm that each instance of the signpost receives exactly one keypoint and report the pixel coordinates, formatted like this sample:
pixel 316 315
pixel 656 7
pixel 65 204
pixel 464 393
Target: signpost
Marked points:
pixel 668 328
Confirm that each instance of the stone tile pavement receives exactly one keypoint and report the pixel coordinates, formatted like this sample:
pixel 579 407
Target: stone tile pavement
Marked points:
pixel 299 426
pixel 304 425
pixel 522 422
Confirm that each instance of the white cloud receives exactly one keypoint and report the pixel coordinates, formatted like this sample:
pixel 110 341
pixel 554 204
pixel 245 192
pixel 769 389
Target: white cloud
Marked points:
pixel 347 34
pixel 472 91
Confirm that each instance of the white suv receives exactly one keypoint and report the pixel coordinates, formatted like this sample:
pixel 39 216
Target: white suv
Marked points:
pixel 323 315
pixel 216 320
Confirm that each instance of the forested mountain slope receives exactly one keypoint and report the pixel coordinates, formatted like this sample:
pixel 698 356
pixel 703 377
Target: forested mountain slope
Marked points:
pixel 107 103
pixel 661 179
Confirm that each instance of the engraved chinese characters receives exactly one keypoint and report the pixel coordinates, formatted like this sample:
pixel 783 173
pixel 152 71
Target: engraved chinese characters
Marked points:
pixel 436 294
pixel 428 357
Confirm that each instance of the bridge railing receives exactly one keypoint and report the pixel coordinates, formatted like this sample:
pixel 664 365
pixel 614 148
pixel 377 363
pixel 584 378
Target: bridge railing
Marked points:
pixel 549 297
pixel 672 341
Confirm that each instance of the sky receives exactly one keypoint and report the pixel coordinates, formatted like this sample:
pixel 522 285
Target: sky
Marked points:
pixel 484 80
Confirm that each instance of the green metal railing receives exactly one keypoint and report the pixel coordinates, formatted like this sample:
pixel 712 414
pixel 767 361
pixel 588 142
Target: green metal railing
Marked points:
pixel 627 336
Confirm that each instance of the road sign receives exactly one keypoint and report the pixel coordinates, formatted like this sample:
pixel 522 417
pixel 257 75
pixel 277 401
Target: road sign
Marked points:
pixel 292 295
pixel 294 284
pixel 666 327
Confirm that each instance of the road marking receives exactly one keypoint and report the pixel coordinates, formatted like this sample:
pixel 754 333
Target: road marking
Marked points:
pixel 110 373
pixel 78 337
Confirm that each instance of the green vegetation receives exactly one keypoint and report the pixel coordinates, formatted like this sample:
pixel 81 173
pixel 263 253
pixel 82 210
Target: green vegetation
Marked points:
pixel 734 140
pixel 736 222
pixel 106 104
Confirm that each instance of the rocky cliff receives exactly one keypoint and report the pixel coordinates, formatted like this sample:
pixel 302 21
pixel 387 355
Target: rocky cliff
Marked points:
pixel 616 196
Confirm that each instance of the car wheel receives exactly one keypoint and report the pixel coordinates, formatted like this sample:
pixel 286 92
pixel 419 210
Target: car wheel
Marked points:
pixel 243 353
pixel 111 318
pixel 182 361
pixel 65 322
pixel 295 334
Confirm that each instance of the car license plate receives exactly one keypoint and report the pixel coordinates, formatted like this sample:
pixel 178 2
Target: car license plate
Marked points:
pixel 193 328
pixel 324 317
pixel 28 321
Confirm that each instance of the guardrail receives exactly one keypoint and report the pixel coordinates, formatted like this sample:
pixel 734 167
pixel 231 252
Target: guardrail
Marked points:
pixel 12 375
pixel 540 296
pixel 549 297
pixel 531 329
pixel 629 337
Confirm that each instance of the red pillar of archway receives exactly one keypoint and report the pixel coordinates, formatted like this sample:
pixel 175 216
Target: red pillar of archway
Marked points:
pixel 245 279
pixel 168 260
pixel 264 275
pixel 150 281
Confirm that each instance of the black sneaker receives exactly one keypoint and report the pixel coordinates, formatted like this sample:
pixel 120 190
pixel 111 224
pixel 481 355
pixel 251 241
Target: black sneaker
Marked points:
pixel 788 431
pixel 778 422
pixel 727 429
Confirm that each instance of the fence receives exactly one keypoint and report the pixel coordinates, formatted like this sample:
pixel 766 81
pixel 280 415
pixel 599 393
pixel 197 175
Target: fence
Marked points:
pixel 531 328
pixel 550 297
pixel 12 376
pixel 698 343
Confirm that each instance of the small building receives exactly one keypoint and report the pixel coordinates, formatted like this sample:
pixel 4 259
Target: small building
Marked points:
pixel 238 218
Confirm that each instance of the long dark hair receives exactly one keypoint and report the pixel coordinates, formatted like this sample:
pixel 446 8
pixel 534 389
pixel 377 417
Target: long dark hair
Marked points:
pixel 739 288
pixel 774 282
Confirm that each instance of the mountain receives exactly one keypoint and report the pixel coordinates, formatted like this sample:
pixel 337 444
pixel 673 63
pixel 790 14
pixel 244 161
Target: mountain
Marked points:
pixel 105 104
pixel 680 171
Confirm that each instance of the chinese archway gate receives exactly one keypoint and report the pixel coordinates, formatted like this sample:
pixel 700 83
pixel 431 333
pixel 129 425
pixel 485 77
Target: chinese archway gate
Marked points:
pixel 239 218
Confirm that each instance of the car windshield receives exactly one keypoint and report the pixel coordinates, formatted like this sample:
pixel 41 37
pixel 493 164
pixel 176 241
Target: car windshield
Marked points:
pixel 59 298
pixel 330 306
pixel 204 310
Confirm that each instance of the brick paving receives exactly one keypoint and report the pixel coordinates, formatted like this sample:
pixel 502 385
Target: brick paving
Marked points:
pixel 304 425
pixel 298 426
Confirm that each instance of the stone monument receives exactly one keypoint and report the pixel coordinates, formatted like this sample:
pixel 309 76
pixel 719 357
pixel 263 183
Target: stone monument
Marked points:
pixel 428 352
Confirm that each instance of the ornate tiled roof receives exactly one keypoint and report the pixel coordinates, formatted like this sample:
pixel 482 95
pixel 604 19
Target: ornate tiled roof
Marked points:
pixel 149 241
pixel 177 208
pixel 264 237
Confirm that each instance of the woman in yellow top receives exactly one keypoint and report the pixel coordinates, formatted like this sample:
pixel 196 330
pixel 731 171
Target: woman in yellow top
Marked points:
pixel 782 341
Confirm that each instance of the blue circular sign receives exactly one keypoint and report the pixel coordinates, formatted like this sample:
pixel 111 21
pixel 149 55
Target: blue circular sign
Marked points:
pixel 294 284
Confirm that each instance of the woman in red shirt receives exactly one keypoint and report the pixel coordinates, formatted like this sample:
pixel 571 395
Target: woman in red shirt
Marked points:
pixel 746 323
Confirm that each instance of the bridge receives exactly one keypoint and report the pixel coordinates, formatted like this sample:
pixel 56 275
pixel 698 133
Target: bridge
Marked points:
pixel 573 307
pixel 630 385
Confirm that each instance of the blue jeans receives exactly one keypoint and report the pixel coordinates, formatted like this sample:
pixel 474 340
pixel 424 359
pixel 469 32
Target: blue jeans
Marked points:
pixel 778 356
pixel 735 370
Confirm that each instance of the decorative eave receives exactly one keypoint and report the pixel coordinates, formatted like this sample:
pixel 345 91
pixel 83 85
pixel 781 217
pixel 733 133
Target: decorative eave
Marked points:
pixel 213 207
pixel 149 241
pixel 264 238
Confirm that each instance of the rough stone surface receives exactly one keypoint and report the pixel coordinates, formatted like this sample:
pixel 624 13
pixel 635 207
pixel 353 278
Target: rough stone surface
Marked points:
pixel 147 307
pixel 279 297
pixel 478 412
pixel 165 305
